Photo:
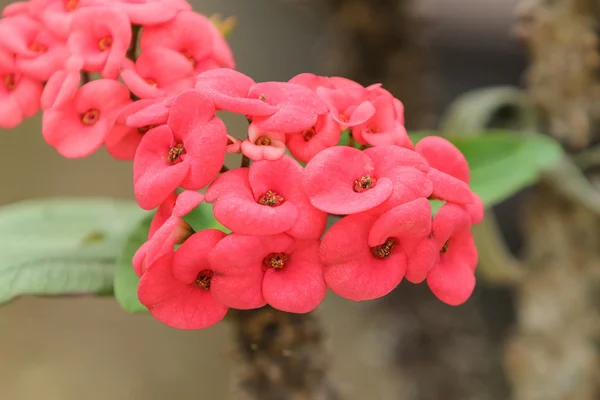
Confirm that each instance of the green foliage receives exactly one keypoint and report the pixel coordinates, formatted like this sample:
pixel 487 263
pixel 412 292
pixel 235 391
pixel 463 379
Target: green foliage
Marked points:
pixel 126 281
pixel 504 162
pixel 62 246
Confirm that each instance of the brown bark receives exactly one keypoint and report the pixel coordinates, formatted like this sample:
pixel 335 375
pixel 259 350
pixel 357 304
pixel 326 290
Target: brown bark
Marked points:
pixel 281 356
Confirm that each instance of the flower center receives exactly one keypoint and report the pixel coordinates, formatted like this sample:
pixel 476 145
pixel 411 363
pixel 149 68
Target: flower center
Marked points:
pixel 203 279
pixel 105 43
pixel 372 129
pixel 262 97
pixel 90 117
pixel 275 260
pixel 364 183
pixel 444 249
pixel 384 250
pixel 71 5
pixel 343 118
pixel 271 199
pixel 175 153
pixel 263 141
pixel 10 82
pixel 151 82
pixel 38 47
pixel 309 134
pixel 189 57
pixel 144 129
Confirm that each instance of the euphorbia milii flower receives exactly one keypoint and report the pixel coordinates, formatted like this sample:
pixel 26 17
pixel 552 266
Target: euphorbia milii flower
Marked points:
pixel 123 140
pixel 39 53
pixel 355 270
pixel 234 145
pixel 344 180
pixel 266 199
pixel 251 271
pixel 228 89
pixel 19 95
pixel 151 12
pixel 311 81
pixel 452 279
pixel 176 289
pixel 78 128
pixel 261 145
pixel 298 107
pixel 101 36
pixel 158 72
pixel 450 174
pixel 189 33
pixel 188 151
pixel 347 108
pixel 167 228
pixel 382 127
pixel 306 144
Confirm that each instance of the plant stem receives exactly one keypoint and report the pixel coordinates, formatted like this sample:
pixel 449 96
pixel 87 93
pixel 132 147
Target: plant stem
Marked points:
pixel 132 50
pixel 281 356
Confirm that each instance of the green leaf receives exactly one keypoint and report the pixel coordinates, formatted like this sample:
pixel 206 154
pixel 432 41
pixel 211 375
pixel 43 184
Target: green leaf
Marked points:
pixel 125 280
pixel 504 162
pixel 345 139
pixel 62 246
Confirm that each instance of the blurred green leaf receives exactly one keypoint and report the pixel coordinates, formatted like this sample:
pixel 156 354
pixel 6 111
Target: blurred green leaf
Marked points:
pixel 62 246
pixel 504 162
pixel 345 139
pixel 202 217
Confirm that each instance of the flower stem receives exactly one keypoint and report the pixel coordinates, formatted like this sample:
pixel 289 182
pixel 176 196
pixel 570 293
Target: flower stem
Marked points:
pixel 132 51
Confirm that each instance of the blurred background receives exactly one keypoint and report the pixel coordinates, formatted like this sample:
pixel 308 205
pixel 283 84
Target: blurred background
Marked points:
pixel 80 348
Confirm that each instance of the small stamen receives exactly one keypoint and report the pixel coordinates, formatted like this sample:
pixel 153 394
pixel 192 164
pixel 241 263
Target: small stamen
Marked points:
pixel 309 134
pixel 444 248
pixel 175 153
pixel 151 82
pixel 203 279
pixel 275 260
pixel 71 5
pixel 343 118
pixel 105 43
pixel 262 97
pixel 38 47
pixel 90 117
pixel 271 199
pixel 384 250
pixel 263 141
pixel 10 82
pixel 189 57
pixel 372 129
pixel 364 183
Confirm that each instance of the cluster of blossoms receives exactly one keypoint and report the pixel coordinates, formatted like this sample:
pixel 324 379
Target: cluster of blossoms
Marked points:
pixel 293 175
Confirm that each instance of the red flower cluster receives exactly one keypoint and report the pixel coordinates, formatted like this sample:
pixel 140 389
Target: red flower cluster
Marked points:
pixel 276 210
pixel 277 251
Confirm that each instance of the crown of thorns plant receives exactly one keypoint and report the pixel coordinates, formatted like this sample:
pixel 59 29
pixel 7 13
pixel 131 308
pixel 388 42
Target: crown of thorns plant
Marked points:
pixel 161 72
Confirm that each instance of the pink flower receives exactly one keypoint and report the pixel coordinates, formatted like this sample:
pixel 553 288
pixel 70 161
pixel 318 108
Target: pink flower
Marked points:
pixel 39 53
pixel 261 145
pixel 382 128
pixel 190 34
pixel 228 89
pixel 251 271
pixel 19 95
pixel 306 144
pixel 123 140
pixel 101 36
pixel 154 111
pixel 152 12
pixel 347 108
pixel 167 228
pixel 16 8
pixel 311 81
pixel 234 145
pixel 452 279
pixel 176 289
pixel 157 73
pixel 77 128
pixel 344 180
pixel 57 15
pixel 353 269
pixel 188 152
pixel 266 199
pixel 298 107
pixel 451 175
